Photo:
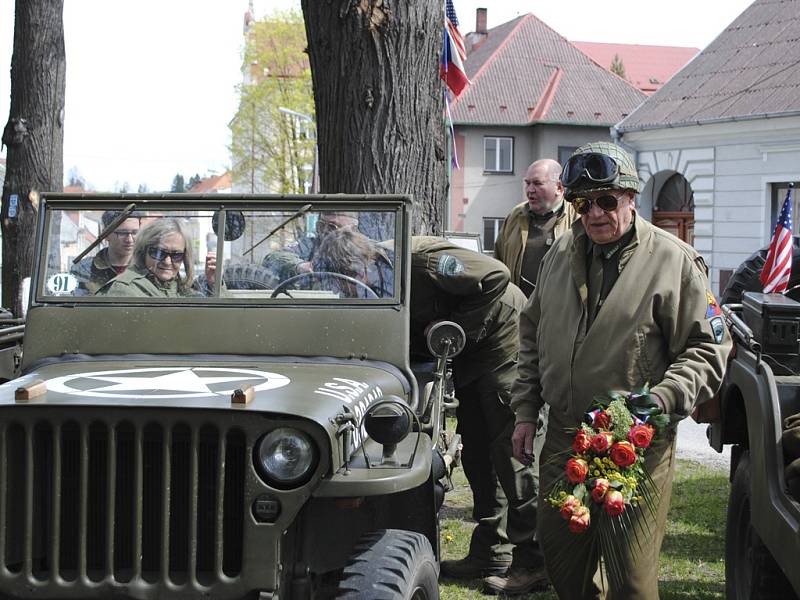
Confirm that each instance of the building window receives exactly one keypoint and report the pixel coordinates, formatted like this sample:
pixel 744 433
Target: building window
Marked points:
pixel 491 227
pixel 564 152
pixel 498 154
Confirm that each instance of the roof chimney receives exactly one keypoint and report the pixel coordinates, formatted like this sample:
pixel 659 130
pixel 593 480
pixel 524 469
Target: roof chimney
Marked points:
pixel 480 21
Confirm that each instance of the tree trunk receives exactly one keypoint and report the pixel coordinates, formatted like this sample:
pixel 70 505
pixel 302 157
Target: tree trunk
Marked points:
pixel 34 134
pixel 379 100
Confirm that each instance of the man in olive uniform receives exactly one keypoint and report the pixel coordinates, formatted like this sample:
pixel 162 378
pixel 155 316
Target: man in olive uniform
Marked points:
pixel 532 226
pixel 619 304
pixel 453 283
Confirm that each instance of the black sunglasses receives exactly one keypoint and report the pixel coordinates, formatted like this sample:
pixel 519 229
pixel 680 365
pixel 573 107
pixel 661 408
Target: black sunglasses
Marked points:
pixel 584 205
pixel 594 167
pixel 160 254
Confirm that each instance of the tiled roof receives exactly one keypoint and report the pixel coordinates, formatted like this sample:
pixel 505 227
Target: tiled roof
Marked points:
pixel 210 185
pixel 751 70
pixel 646 67
pixel 525 73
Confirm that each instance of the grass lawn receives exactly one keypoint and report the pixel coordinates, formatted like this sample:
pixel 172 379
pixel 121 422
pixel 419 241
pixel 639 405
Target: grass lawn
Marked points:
pixel 691 565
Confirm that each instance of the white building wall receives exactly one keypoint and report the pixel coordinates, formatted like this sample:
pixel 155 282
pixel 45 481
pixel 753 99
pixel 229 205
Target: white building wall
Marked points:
pixel 731 167
pixel 494 195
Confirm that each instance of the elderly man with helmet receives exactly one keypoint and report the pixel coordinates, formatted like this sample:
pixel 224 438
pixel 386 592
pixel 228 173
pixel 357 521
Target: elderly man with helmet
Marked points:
pixel 619 305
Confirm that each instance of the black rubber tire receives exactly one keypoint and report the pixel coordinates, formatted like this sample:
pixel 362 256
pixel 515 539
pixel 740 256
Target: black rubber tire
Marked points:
pixel 750 571
pixel 745 278
pixel 390 564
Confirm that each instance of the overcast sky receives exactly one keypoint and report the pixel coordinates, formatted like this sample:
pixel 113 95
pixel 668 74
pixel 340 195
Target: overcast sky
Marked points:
pixel 151 84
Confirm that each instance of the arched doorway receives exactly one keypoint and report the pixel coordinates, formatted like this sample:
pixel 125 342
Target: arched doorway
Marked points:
pixel 673 204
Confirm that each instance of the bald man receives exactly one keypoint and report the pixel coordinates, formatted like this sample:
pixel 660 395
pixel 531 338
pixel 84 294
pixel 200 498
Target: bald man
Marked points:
pixel 532 226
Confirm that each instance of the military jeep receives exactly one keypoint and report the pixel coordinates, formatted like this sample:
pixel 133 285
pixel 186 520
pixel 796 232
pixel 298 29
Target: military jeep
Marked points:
pixel 262 435
pixel 761 388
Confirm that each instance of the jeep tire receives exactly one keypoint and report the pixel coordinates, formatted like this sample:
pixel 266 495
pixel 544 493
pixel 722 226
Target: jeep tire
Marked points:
pixel 746 277
pixel 390 564
pixel 750 571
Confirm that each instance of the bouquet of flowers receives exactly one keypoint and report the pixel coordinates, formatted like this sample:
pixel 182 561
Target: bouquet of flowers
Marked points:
pixel 605 477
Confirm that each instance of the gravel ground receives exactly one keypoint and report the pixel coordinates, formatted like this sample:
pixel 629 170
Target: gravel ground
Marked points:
pixel 693 445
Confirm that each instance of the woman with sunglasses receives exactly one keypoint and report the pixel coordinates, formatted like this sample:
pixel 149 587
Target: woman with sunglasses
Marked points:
pixel 161 250
pixel 619 305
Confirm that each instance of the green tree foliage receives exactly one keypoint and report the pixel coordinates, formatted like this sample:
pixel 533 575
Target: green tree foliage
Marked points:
pixel 273 138
pixel 193 181
pixel 178 184
pixel 617 67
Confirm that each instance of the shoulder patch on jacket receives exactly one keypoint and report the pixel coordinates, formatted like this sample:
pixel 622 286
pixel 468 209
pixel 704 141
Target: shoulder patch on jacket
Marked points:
pixel 449 265
pixel 712 309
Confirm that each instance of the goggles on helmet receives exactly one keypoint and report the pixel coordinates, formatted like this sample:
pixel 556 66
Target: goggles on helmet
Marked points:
pixel 592 167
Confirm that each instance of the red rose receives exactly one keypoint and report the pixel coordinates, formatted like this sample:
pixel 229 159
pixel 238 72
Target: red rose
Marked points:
pixel 568 506
pixel 602 441
pixel 623 454
pixel 599 490
pixel 641 435
pixel 577 468
pixel 582 442
pixel 579 521
pixel 602 420
pixel 615 503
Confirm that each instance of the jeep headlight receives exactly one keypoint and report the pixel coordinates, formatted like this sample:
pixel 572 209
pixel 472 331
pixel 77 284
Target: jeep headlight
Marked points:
pixel 286 457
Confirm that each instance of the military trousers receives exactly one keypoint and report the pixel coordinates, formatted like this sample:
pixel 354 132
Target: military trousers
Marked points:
pixel 505 498
pixel 572 563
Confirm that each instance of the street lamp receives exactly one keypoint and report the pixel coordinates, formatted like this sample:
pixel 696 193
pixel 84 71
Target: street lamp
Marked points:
pixel 308 119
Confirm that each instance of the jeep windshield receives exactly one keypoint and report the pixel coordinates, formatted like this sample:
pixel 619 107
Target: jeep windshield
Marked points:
pixel 230 249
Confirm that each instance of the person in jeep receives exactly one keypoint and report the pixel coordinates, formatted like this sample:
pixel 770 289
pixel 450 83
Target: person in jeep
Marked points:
pixel 161 248
pixel 93 272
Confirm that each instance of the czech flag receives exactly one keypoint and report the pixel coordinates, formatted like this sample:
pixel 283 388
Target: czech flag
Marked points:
pixel 451 67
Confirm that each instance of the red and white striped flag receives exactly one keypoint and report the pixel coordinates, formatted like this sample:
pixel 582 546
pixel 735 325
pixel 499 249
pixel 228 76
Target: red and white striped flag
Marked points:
pixel 451 66
pixel 778 268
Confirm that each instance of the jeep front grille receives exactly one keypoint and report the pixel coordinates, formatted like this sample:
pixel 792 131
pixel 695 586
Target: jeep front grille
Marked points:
pixel 117 501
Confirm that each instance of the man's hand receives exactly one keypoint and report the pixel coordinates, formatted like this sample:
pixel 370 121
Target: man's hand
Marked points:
pixel 211 268
pixel 522 442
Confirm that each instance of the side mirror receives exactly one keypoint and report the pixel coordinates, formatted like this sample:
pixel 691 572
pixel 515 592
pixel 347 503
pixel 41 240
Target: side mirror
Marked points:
pixel 234 224
pixel 445 338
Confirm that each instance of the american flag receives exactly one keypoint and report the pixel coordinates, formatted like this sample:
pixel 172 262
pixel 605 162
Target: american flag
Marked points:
pixel 451 67
pixel 776 271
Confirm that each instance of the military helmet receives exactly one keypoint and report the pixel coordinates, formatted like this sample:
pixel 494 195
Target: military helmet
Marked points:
pixel 599 166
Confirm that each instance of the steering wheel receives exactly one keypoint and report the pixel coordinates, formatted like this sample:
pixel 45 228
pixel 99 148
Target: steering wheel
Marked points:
pixel 283 285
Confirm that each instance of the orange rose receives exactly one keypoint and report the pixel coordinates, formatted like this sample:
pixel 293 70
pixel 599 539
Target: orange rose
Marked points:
pixel 599 490
pixel 623 454
pixel 602 420
pixel 641 435
pixel 582 442
pixel 577 469
pixel 602 441
pixel 568 506
pixel 615 503
pixel 579 522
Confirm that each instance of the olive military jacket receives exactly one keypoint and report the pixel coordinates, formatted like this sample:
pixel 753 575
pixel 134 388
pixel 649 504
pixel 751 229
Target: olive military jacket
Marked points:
pixel 660 325
pixel 472 289
pixel 509 247
pixel 139 283
pixel 93 272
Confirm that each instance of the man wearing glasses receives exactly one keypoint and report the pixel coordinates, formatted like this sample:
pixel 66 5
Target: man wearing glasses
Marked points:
pixel 93 272
pixel 619 305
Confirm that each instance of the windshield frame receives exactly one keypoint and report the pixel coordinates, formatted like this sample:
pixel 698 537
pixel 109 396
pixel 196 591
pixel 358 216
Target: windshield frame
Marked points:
pixel 397 205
